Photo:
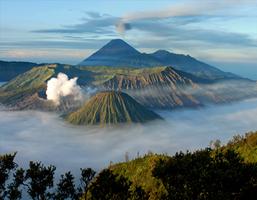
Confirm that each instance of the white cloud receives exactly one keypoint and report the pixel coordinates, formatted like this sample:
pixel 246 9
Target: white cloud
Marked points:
pixel 44 136
pixel 69 56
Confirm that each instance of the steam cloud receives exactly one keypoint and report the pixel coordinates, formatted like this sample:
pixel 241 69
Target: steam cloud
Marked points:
pixel 122 27
pixel 62 86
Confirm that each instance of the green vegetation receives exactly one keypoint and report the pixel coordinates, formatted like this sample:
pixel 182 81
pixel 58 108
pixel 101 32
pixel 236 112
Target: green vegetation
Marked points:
pixel 164 84
pixel 208 174
pixel 25 84
pixel 102 74
pixel 38 181
pixel 31 79
pixel 151 171
pixel 139 172
pixel 204 175
pixel 111 108
pixel 34 81
pixel 124 70
pixel 246 146
pixel 156 87
pixel 9 70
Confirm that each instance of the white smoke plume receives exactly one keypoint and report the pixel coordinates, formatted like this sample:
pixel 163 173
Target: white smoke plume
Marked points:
pixel 62 86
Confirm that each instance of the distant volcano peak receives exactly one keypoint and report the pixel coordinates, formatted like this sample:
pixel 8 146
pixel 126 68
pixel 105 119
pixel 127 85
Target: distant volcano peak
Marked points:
pixel 162 51
pixel 118 42
pixel 119 53
pixel 117 47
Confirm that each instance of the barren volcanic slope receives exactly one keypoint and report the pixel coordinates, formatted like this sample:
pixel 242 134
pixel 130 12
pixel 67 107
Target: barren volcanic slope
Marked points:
pixel 158 87
pixel 111 108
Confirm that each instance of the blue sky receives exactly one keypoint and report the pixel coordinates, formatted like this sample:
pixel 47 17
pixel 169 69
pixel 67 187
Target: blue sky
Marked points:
pixel 222 33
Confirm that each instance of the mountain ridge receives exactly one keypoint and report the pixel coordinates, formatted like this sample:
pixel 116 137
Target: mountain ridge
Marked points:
pixel 118 53
pixel 154 87
pixel 10 69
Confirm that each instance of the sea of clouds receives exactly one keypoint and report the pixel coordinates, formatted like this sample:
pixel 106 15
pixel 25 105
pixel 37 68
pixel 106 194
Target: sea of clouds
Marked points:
pixel 45 137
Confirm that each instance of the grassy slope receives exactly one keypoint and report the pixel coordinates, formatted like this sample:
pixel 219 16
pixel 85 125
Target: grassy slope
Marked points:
pixel 103 73
pixel 86 75
pixel 111 108
pixel 9 70
pixel 138 171
pixel 246 146
pixel 35 80
pixel 25 84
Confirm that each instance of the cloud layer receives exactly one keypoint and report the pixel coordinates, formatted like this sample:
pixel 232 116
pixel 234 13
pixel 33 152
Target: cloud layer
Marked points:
pixel 46 137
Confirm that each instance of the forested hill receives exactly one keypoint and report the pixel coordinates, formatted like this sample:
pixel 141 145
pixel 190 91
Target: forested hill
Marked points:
pixel 222 172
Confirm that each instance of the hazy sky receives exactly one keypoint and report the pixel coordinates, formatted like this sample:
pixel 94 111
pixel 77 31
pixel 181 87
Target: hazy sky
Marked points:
pixel 223 33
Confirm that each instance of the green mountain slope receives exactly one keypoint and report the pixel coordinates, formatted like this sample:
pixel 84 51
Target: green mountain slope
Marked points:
pixel 191 171
pixel 246 146
pixel 155 87
pixel 9 70
pixel 139 172
pixel 25 91
pixel 111 108
pixel 25 85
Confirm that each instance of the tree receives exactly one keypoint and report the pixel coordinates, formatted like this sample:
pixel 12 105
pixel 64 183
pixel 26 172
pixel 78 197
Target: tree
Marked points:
pixel 215 144
pixel 110 187
pixel 14 192
pixel 66 187
pixel 40 180
pixel 138 193
pixel 87 175
pixel 208 174
pixel 7 165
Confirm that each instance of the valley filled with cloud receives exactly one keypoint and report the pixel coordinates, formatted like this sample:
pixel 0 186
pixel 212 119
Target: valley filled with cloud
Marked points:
pixel 46 137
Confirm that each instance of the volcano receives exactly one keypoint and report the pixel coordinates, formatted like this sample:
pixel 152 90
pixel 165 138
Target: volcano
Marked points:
pixel 111 107
pixel 118 53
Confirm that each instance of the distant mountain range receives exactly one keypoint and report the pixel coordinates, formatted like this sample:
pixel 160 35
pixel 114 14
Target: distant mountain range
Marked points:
pixel 126 88
pixel 164 84
pixel 155 87
pixel 9 70
pixel 118 53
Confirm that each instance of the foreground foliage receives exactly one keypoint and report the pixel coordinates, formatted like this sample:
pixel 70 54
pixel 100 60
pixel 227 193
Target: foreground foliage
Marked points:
pixel 220 173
